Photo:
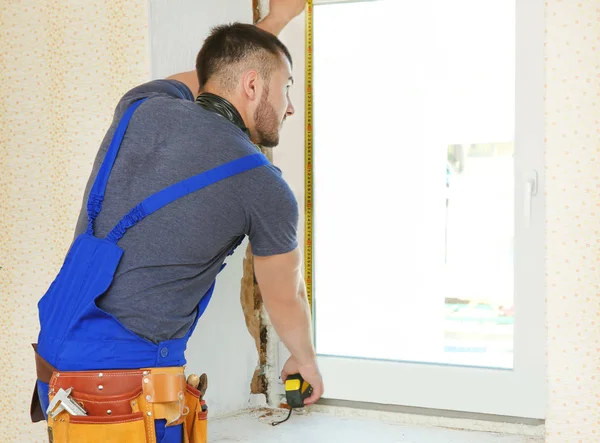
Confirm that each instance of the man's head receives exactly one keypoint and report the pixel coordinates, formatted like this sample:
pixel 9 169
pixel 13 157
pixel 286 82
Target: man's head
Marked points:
pixel 253 70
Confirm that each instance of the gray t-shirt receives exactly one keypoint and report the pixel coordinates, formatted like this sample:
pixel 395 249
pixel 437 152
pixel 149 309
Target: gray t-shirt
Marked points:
pixel 173 256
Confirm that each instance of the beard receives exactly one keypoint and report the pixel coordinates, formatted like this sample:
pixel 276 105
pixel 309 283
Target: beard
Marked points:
pixel 267 123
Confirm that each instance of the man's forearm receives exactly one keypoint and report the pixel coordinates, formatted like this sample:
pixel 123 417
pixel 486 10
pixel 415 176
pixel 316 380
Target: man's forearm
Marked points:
pixel 292 321
pixel 272 24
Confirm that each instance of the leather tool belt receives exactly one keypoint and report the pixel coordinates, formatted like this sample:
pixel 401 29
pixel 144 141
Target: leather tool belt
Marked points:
pixel 120 405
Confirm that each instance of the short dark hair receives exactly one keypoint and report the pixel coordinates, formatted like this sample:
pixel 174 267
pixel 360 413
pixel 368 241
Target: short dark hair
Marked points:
pixel 238 44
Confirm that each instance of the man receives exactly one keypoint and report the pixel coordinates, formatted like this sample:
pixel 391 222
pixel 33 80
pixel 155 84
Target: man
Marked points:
pixel 158 221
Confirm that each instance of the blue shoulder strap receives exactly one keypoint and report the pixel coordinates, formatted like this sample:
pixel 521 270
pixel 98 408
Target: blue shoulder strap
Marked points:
pixel 161 198
pixel 183 188
pixel 94 204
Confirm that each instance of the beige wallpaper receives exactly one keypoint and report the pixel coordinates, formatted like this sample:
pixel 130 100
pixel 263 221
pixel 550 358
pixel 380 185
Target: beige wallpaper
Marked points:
pixel 63 66
pixel 573 219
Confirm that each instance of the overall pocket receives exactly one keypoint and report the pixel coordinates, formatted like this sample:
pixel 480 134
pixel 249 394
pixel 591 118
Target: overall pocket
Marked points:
pixel 196 422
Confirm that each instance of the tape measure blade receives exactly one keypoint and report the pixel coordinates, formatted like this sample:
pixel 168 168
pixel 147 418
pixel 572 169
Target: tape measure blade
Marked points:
pixel 308 170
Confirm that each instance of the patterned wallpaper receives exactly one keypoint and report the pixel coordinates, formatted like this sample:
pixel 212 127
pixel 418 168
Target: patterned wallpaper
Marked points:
pixel 63 66
pixel 573 219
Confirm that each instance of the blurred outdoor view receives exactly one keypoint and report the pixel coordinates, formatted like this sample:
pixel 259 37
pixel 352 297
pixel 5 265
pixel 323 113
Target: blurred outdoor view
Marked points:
pixel 413 180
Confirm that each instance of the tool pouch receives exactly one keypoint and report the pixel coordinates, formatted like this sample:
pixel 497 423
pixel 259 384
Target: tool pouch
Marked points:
pixel 196 422
pixel 118 418
pixel 97 429
pixel 159 393
pixel 132 427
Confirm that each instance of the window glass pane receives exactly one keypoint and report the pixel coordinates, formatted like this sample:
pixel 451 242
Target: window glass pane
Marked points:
pixel 413 180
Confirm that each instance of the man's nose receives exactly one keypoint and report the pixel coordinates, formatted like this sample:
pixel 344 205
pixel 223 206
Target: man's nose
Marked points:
pixel 290 110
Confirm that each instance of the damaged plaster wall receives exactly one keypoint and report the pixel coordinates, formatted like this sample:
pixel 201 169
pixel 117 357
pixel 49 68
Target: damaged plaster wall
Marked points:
pixel 221 345
pixel 250 297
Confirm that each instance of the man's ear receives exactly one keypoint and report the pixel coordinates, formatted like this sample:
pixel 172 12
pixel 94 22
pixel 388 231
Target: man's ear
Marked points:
pixel 250 83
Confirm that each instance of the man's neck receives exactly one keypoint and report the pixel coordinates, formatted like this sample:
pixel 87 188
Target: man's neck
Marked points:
pixel 224 106
pixel 231 98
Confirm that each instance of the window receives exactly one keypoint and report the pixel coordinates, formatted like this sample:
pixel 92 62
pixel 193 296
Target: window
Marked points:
pixel 428 238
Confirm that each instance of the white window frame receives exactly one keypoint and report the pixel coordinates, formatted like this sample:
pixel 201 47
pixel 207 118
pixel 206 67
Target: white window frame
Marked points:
pixel 520 392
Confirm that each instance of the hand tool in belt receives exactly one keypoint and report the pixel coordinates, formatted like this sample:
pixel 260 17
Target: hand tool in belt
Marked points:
pixel 199 383
pixel 62 401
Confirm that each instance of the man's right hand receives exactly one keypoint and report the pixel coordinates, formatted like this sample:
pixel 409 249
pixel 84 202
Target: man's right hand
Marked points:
pixel 310 373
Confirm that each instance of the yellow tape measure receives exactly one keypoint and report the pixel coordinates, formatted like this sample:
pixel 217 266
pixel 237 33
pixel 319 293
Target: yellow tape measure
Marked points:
pixel 308 158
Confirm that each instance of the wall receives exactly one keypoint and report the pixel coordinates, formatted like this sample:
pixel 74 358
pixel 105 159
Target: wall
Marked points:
pixel 221 345
pixel 289 155
pixel 178 28
pixel 572 220
pixel 63 66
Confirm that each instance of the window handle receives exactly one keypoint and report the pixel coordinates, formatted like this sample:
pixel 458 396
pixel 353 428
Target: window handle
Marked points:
pixel 531 189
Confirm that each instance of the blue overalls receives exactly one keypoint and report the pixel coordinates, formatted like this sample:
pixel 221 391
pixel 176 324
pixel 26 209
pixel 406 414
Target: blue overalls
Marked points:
pixel 75 334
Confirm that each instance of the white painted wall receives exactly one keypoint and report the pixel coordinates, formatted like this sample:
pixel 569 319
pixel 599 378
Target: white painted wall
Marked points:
pixel 178 28
pixel 289 155
pixel 221 345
